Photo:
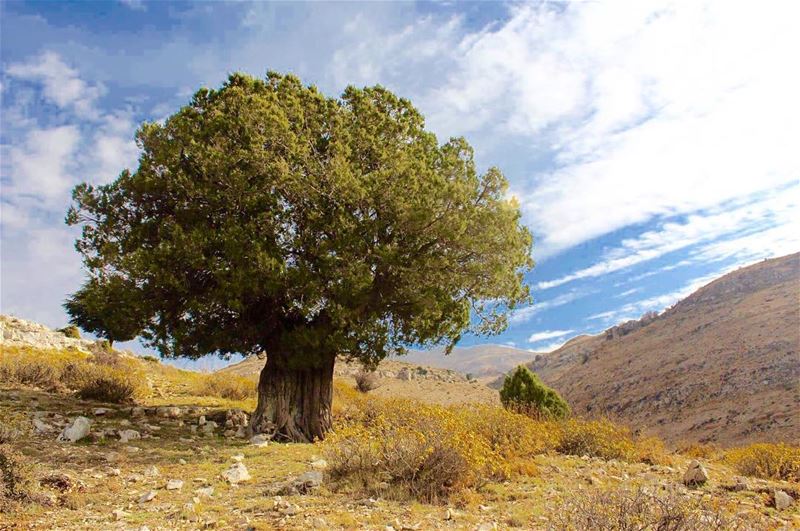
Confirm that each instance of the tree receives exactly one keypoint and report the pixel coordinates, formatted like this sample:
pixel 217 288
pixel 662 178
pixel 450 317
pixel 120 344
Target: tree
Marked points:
pixel 106 307
pixel 524 392
pixel 265 216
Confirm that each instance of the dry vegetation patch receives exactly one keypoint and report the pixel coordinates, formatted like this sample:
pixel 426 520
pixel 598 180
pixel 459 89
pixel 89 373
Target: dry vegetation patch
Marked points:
pixel 766 460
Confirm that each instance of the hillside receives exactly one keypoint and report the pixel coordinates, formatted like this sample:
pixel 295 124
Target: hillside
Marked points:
pixel 177 457
pixel 722 365
pixel 399 379
pixel 478 360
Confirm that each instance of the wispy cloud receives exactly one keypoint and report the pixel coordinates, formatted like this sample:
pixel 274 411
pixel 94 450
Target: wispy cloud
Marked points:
pixel 523 315
pixel 548 334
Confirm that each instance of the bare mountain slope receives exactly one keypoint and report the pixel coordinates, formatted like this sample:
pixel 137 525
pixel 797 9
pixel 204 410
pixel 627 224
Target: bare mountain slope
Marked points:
pixel 722 365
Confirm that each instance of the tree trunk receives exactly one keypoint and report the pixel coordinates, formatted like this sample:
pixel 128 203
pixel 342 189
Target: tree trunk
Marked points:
pixel 294 404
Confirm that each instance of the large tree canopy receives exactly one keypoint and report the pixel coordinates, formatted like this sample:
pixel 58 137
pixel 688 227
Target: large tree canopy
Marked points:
pixel 265 216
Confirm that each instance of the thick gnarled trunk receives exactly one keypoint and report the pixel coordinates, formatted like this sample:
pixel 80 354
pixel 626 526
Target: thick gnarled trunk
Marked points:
pixel 294 404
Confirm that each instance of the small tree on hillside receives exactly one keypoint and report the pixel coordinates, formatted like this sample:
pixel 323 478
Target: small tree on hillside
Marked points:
pixel 107 307
pixel 265 216
pixel 524 392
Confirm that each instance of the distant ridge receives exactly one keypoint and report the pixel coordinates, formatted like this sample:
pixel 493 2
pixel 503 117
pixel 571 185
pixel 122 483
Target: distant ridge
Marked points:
pixel 722 365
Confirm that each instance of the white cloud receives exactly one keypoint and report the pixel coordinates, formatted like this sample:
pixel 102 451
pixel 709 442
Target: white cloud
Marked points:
pixel 135 5
pixel 40 166
pixel 60 83
pixel 523 315
pixel 548 334
pixel 652 109
pixel 770 222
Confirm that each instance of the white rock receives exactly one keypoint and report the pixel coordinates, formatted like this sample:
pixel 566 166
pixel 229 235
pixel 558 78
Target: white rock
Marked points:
pixel 41 427
pixel 782 500
pixel 181 461
pixel 147 496
pixel 152 472
pixel 238 458
pixel 209 427
pixel 128 435
pixel 114 472
pixel 201 421
pixel 100 411
pixel 696 474
pixel 174 484
pixel 260 440
pixel 236 474
pixel 76 431
pixel 205 491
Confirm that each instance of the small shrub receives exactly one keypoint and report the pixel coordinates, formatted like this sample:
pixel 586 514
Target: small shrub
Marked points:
pixel 651 450
pixel 108 384
pixel 71 331
pixel 699 450
pixel 524 393
pixel 150 359
pixel 629 510
pixel 596 438
pixel 366 381
pixel 766 460
pixel 405 449
pixel 229 386
pixel 16 481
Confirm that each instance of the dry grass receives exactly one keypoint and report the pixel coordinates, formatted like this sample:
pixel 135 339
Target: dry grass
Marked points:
pixel 634 510
pixel 103 376
pixel 766 460
pixel 228 386
pixel 366 381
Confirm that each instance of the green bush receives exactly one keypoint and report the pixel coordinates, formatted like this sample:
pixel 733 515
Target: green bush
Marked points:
pixel 523 392
pixel 71 331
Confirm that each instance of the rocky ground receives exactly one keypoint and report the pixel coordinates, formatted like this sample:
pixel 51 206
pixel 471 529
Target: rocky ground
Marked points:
pixel 185 467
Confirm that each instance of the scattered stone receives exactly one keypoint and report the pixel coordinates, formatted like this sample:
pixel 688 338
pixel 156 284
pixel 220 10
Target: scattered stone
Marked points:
pixel 174 484
pixel 782 500
pixel 76 431
pixel 152 472
pixel 235 418
pixel 113 471
pixel 238 458
pixel 181 461
pixel 695 475
pixel 205 491
pixel 169 412
pixel 119 514
pixel 101 411
pixel 209 427
pixel 201 421
pixel 137 412
pixel 260 440
pixel 448 515
pixel 128 435
pixel 237 473
pixel 42 427
pixel 132 449
pixel 147 496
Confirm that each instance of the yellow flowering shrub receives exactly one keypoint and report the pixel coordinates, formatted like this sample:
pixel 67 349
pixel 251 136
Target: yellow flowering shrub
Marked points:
pixel 766 460
pixel 596 438
pixel 402 448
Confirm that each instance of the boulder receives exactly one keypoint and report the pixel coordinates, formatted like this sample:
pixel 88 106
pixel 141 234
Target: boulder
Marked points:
pixel 174 484
pixel 128 435
pixel 695 475
pixel 147 496
pixel 782 500
pixel 260 440
pixel 237 473
pixel 76 431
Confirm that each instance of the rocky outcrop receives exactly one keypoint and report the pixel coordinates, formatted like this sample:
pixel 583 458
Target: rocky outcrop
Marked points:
pixel 16 332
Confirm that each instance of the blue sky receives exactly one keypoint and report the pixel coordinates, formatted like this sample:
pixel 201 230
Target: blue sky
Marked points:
pixel 652 145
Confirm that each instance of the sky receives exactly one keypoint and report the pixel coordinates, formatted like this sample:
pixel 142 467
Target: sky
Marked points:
pixel 653 146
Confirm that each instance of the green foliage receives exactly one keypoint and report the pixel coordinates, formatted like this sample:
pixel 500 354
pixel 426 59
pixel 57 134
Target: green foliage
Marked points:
pixel 71 331
pixel 523 391
pixel 265 216
pixel 106 306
